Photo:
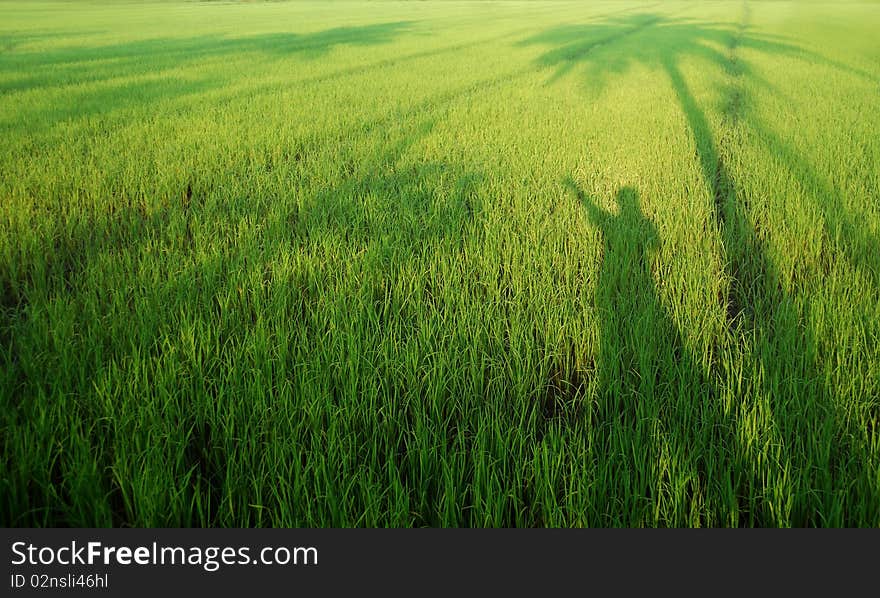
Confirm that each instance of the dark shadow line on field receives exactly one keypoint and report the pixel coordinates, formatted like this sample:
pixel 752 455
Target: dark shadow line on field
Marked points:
pixel 746 269
pixel 783 347
pixel 98 63
pixel 565 57
pixel 814 57
pixel 667 38
pixel 122 98
pixel 309 45
pixel 437 52
pixel 843 67
pixel 777 342
pixel 89 74
pixel 129 95
pixel 843 229
pixel 11 40
pixel 387 211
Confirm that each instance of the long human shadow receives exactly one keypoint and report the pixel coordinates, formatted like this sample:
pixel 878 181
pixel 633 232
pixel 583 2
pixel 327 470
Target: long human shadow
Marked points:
pixel 819 462
pixel 670 459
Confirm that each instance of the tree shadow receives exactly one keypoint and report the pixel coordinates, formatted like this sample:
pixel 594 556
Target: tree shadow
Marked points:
pixel 814 466
pixel 382 198
pixel 11 40
pixel 172 51
pixel 112 98
pixel 665 38
pixel 571 44
pixel 140 73
pixel 387 215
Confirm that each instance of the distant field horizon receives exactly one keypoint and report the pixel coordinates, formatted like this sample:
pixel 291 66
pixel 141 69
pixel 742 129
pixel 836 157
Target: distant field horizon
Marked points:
pixel 440 263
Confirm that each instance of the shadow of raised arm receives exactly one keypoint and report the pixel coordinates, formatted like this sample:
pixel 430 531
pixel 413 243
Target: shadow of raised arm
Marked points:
pixel 597 215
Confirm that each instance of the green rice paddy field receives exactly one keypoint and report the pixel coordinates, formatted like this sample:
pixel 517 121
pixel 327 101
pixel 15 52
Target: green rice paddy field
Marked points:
pixel 440 263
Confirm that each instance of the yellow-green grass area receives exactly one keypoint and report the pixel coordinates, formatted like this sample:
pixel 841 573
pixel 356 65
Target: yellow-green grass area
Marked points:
pixel 440 263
